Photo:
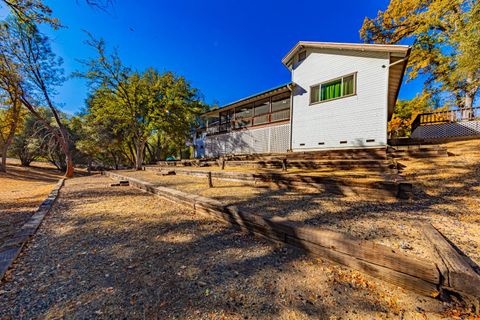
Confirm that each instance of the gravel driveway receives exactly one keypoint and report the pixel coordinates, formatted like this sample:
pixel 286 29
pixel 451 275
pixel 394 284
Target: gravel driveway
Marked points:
pixel 116 252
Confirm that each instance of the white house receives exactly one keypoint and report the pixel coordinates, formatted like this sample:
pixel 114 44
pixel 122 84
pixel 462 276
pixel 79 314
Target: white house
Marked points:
pixel 341 96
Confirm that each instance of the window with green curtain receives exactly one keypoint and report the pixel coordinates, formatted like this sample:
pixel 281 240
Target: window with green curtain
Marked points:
pixel 331 90
pixel 341 87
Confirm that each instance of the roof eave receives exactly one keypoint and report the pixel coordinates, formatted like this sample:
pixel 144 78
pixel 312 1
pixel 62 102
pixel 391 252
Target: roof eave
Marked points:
pixel 396 49
pixel 402 76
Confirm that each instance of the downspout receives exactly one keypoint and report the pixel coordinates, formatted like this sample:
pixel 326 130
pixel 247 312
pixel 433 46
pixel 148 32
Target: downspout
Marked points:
pixel 387 102
pixel 291 87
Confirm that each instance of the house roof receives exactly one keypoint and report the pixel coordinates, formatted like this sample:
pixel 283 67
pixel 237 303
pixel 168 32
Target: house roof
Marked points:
pixel 258 96
pixel 398 61
pixel 394 49
pixel 399 55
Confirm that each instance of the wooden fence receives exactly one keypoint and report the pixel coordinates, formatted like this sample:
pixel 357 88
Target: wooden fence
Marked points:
pixel 447 116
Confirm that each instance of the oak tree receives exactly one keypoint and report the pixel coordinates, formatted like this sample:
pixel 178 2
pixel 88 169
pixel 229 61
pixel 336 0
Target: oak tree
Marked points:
pixel 444 35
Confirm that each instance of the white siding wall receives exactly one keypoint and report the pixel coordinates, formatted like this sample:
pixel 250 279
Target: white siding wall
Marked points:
pixel 354 119
pixel 270 139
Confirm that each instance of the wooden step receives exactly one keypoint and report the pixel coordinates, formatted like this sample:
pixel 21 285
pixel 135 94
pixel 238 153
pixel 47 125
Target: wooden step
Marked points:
pixel 416 151
pixel 314 155
pixel 358 185
pixel 343 164
pixel 418 154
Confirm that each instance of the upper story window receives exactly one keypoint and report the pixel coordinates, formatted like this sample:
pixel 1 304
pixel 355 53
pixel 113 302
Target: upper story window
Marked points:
pixel 262 107
pixel 333 89
pixel 244 111
pixel 281 102
pixel 302 55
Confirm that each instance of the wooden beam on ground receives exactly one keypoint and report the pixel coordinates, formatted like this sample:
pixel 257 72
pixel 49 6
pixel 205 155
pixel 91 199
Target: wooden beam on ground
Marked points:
pixel 458 274
pixel 398 278
pixel 361 249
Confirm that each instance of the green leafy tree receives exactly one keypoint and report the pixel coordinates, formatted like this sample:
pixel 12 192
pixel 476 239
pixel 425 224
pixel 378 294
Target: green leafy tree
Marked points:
pixel 26 144
pixel 139 104
pixel 444 35
pixel 406 111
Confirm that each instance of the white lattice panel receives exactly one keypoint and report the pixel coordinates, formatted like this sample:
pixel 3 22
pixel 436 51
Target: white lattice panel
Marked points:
pixel 280 138
pixel 445 130
pixel 262 140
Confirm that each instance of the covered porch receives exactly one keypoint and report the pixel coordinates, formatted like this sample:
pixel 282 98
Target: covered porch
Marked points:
pixel 271 107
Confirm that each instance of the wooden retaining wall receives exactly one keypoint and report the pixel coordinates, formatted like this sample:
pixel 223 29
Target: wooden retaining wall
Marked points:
pixel 382 189
pixel 371 258
pixel 449 272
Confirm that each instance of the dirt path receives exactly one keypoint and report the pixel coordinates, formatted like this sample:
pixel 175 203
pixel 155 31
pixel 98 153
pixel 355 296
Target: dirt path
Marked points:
pixel 108 252
pixel 21 192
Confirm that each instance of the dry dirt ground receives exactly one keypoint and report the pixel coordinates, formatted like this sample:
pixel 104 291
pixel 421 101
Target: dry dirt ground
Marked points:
pixel 117 252
pixel 21 192
pixel 447 193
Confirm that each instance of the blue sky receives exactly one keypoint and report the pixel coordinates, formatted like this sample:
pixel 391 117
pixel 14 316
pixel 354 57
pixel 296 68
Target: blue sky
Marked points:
pixel 227 49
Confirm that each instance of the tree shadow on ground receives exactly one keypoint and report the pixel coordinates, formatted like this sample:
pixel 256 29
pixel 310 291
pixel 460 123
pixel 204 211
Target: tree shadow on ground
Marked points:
pixel 168 264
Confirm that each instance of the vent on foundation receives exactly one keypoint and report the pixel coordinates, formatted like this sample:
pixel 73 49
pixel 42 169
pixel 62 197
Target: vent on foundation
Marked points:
pixel 302 144
pixel 343 141
pixel 370 140
pixel 321 143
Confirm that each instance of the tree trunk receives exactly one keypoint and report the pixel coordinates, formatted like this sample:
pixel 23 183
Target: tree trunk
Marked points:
pixel 68 159
pixel 11 134
pixel 115 159
pixel 469 95
pixel 148 148
pixel 139 148
pixel 89 166
pixel 3 166
pixel 158 155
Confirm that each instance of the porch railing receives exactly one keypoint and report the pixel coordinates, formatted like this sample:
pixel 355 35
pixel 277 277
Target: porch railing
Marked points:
pixel 447 116
pixel 240 123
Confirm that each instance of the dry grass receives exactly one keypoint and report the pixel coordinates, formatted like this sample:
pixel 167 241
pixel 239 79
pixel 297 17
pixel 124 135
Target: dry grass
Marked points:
pixel 447 193
pixel 22 190
pixel 108 252
pixel 364 219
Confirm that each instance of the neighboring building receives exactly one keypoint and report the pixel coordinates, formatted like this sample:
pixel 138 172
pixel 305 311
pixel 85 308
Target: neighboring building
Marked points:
pixel 341 96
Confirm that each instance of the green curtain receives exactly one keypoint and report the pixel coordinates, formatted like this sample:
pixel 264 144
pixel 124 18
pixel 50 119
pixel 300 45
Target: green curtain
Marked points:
pixel 331 90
